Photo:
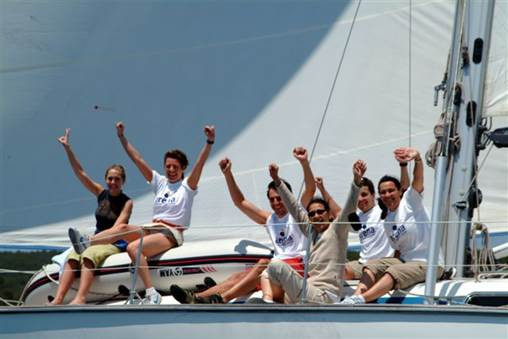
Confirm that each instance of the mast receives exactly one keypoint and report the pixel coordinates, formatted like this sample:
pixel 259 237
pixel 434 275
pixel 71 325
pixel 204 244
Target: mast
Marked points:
pixel 456 194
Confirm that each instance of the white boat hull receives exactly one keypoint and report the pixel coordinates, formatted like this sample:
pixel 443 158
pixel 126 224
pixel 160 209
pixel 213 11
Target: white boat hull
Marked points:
pixel 186 266
pixel 485 292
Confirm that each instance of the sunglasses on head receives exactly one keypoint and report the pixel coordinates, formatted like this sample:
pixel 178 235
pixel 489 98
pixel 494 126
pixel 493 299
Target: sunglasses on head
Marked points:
pixel 318 212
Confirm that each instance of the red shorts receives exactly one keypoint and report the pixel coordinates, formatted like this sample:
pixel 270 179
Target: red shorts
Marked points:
pixel 296 263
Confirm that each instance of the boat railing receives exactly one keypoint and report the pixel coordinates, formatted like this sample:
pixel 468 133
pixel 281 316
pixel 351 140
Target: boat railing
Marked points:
pixel 483 264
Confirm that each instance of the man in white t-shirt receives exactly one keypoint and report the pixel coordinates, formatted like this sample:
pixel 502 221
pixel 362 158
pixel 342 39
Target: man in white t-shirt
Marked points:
pixel 368 222
pixel 288 240
pixel 373 240
pixel 407 226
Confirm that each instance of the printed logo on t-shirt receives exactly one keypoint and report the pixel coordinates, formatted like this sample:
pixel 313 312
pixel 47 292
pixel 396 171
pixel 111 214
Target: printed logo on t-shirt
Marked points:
pixel 284 241
pixel 166 199
pixel 366 233
pixel 397 232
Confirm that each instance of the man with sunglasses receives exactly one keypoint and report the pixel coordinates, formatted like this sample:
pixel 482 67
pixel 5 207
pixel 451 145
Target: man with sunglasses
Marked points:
pixel 327 252
pixel 288 240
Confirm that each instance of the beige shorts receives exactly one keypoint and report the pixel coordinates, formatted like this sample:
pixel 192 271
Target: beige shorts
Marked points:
pixel 291 282
pixel 405 274
pixel 96 254
pixel 171 232
pixel 356 267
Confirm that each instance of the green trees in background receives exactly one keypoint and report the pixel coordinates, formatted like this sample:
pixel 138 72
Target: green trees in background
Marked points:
pixel 12 284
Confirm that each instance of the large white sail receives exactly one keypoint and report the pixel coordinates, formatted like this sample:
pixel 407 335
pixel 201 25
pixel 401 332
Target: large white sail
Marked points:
pixel 496 83
pixel 260 71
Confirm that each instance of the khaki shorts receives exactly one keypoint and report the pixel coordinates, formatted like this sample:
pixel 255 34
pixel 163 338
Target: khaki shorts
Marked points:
pixel 405 274
pixel 170 232
pixel 356 267
pixel 291 282
pixel 96 254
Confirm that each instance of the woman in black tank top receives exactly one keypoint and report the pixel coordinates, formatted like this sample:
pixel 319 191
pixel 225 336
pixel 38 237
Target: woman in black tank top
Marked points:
pixel 114 208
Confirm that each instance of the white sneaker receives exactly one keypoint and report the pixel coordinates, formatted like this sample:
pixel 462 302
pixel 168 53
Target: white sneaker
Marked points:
pixel 353 300
pixel 79 242
pixel 152 299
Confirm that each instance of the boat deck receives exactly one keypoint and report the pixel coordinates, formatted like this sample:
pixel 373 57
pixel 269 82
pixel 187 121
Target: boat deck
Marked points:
pixel 255 321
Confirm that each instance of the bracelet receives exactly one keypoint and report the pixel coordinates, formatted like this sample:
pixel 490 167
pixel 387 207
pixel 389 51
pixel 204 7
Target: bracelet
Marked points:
pixel 402 164
pixel 210 142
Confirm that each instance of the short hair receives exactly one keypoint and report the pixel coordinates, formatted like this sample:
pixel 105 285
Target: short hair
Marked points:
pixel 117 167
pixel 389 178
pixel 178 156
pixel 273 186
pixel 319 200
pixel 367 183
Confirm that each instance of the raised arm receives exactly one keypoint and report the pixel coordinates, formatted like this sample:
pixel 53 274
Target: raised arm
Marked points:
pixel 406 154
pixel 294 208
pixel 135 156
pixel 195 174
pixel 248 208
pixel 89 184
pixel 359 169
pixel 125 215
pixel 340 228
pixel 300 154
pixel 334 207
pixel 404 176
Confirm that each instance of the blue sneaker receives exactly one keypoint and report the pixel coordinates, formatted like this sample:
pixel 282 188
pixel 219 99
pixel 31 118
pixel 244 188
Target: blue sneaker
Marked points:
pixel 79 242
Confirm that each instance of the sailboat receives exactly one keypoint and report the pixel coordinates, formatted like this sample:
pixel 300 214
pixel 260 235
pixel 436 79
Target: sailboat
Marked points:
pixel 376 89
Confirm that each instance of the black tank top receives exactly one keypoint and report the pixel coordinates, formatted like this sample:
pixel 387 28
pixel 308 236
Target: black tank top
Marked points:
pixel 108 209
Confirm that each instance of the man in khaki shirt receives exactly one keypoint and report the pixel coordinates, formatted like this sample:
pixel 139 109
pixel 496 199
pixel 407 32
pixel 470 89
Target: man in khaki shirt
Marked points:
pixel 328 248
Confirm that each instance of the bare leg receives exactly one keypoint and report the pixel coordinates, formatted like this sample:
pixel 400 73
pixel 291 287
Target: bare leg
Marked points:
pixel 348 273
pixel 383 286
pixel 271 291
pixel 66 281
pixel 116 233
pixel 248 283
pixel 152 244
pixel 85 282
pixel 223 286
pixel 366 281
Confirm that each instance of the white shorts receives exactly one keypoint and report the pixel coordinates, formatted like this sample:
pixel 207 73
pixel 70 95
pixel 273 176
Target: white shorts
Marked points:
pixel 171 232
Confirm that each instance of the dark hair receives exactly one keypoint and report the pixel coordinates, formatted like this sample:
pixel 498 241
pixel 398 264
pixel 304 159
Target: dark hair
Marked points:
pixel 367 183
pixel 273 186
pixel 387 178
pixel 117 167
pixel 178 156
pixel 319 200
pixel 384 209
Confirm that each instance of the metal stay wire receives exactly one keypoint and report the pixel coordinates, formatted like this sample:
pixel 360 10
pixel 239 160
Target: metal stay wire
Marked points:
pixel 323 117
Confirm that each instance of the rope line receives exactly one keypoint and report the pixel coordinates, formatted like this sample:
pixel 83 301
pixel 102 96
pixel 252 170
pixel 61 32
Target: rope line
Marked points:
pixel 254 225
pixel 495 269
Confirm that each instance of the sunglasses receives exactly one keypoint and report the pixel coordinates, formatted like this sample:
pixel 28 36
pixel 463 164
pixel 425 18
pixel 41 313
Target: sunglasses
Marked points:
pixel 318 212
pixel 274 199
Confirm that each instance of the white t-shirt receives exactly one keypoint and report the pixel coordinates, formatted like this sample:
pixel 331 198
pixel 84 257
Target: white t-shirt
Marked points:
pixel 372 235
pixel 288 240
pixel 411 239
pixel 173 202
